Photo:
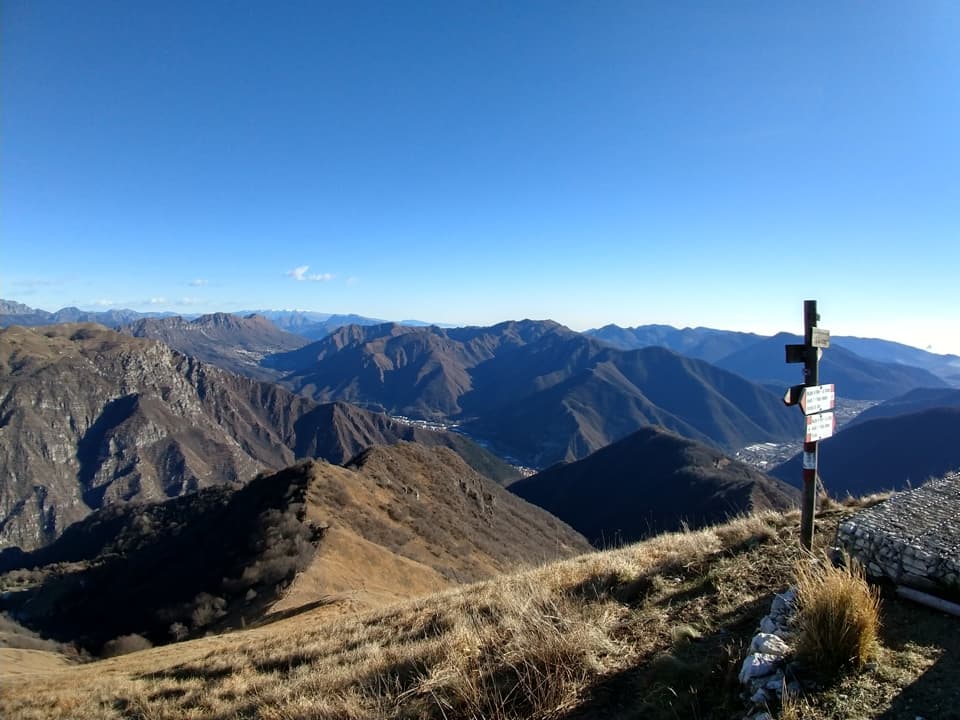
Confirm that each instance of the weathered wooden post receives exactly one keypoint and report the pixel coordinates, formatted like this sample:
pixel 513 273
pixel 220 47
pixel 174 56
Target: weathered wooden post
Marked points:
pixel 817 402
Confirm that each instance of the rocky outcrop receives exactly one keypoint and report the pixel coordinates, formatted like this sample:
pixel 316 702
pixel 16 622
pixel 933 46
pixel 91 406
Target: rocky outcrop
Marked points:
pixel 88 417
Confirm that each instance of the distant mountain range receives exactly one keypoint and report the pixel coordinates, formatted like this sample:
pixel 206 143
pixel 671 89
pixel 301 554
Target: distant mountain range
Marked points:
pixel 720 346
pixel 946 367
pixel 305 323
pixel 398 521
pixel 14 313
pixel 650 482
pixel 237 344
pixel 855 377
pixel 911 402
pixel 702 343
pixel 90 416
pixel 534 390
pixel 311 325
pixel 887 453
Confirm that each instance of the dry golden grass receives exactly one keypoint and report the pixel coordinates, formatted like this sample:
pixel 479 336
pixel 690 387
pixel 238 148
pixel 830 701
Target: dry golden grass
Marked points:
pixel 654 630
pixel 838 617
pixel 793 707
pixel 865 501
pixel 546 643
pixel 20 661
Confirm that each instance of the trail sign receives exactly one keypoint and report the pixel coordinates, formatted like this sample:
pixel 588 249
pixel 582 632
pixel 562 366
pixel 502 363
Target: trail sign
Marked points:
pixel 817 402
pixel 819 338
pixel 817 398
pixel 820 426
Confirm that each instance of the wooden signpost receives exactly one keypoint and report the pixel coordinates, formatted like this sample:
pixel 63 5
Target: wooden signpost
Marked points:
pixel 817 402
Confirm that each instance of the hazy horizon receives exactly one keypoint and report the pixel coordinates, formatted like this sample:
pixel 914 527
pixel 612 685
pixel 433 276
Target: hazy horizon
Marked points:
pixel 398 319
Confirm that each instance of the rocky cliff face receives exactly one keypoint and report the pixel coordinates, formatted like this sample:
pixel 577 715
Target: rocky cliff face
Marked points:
pixel 89 417
pixel 237 344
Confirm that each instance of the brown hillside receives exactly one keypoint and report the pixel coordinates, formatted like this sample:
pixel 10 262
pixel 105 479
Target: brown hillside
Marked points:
pixel 427 505
pixel 401 521
pixel 89 416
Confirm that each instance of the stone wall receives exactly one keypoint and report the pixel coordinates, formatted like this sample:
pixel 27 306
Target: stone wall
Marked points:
pixel 913 538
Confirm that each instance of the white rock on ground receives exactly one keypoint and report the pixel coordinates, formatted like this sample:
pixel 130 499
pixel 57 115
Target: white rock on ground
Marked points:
pixel 758 665
pixel 769 644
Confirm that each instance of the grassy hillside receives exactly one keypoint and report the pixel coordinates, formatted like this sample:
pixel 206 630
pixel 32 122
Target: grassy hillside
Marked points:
pixel 399 521
pixel 654 630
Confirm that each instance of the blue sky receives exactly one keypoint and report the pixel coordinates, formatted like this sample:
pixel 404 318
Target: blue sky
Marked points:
pixel 690 163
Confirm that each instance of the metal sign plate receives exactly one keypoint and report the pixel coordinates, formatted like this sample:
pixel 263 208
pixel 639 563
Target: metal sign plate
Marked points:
pixel 817 398
pixel 820 427
pixel 819 337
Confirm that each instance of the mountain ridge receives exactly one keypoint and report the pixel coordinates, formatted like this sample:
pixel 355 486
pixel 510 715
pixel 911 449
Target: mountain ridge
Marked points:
pixel 650 482
pixel 237 344
pixel 506 382
pixel 916 400
pixel 715 345
pixel 855 377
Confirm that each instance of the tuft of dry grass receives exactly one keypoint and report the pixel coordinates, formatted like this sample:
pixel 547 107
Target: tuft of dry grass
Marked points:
pixel 838 616
pixel 793 707
pixel 865 501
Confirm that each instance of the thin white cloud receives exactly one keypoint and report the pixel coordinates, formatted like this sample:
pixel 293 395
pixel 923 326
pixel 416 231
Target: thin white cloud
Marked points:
pixel 102 302
pixel 198 282
pixel 189 301
pixel 300 274
pixel 353 280
pixel 157 300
